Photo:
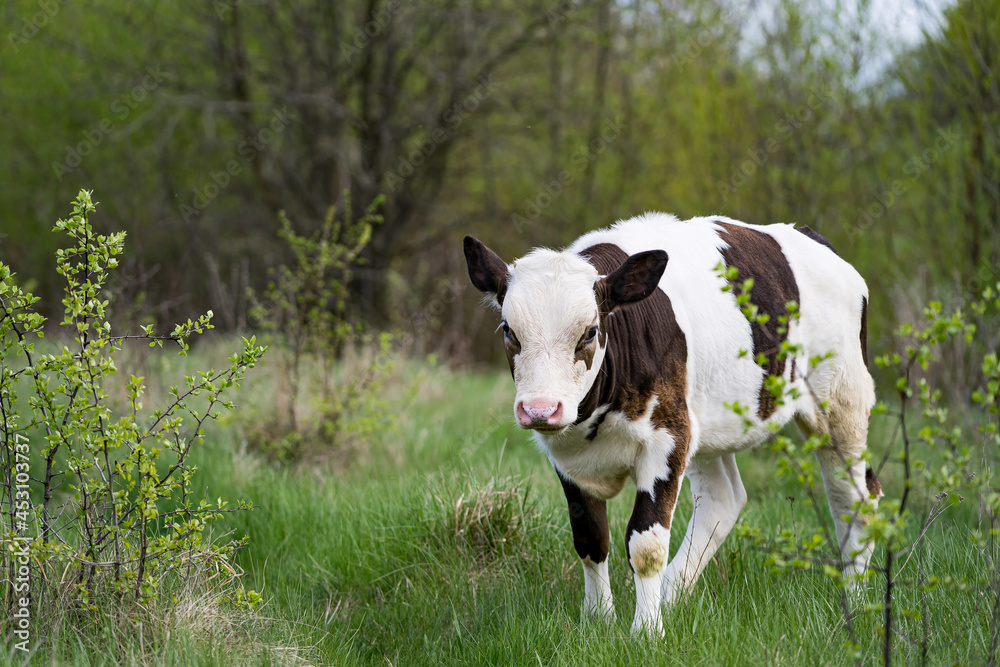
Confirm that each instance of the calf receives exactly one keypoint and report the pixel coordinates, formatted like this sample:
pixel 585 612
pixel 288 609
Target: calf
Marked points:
pixel 625 350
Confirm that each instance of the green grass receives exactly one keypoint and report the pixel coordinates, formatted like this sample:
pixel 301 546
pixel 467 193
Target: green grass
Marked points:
pixel 449 543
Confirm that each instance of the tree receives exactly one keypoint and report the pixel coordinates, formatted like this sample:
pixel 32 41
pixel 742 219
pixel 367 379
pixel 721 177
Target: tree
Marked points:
pixel 955 75
pixel 379 94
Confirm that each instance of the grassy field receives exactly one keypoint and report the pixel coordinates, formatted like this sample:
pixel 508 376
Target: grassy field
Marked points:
pixel 449 543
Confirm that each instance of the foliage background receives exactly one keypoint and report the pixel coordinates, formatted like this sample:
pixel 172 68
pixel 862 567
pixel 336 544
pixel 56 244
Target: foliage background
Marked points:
pixel 873 122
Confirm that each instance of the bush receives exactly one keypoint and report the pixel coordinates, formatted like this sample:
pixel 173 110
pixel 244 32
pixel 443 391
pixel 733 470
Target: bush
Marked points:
pixel 331 374
pixel 947 457
pixel 102 517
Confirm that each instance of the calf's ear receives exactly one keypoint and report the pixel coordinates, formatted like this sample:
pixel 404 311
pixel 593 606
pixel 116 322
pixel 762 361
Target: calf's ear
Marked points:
pixel 487 271
pixel 634 280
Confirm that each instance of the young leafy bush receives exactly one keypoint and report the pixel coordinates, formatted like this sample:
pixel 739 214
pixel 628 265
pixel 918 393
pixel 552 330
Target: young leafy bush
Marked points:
pixel 102 507
pixel 944 456
pixel 332 374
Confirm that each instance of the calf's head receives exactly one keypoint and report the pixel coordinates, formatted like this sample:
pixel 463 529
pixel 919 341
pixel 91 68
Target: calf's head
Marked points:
pixel 555 310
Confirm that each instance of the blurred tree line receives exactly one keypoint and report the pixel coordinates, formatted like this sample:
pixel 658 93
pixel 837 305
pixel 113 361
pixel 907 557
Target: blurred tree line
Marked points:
pixel 525 123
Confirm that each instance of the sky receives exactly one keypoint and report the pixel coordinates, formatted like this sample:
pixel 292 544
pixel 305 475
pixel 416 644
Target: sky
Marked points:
pixel 903 24
pixel 908 19
pixel 890 27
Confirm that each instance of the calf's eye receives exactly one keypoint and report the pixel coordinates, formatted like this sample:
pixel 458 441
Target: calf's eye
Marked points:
pixel 590 335
pixel 508 334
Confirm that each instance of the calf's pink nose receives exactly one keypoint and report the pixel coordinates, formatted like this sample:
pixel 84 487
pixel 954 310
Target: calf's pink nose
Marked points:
pixel 539 411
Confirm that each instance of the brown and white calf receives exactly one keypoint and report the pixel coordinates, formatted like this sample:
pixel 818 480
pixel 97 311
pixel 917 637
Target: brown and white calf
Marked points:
pixel 625 350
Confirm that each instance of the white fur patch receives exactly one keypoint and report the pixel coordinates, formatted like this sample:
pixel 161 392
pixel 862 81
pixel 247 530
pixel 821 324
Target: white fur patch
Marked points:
pixel 648 616
pixel 597 597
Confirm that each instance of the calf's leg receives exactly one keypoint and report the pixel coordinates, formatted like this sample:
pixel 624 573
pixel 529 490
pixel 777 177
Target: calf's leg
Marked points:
pixel 719 497
pixel 588 517
pixel 846 477
pixel 647 538
pixel 847 481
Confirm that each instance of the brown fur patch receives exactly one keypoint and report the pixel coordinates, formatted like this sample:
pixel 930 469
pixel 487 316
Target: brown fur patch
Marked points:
pixel 871 481
pixel 677 462
pixel 757 255
pixel 585 353
pixel 588 516
pixel 864 329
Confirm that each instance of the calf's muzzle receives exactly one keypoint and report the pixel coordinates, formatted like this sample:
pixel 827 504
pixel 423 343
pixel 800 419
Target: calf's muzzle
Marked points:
pixel 539 414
